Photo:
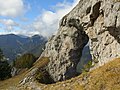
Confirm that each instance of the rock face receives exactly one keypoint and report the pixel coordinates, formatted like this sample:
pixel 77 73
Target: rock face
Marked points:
pixel 64 49
pixel 96 21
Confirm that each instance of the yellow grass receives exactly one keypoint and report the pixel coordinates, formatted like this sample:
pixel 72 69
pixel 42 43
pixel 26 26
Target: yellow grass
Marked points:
pixel 42 62
pixel 13 82
pixel 116 0
pixel 106 77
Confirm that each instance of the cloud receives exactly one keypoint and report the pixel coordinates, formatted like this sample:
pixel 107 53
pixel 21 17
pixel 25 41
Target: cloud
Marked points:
pixel 11 8
pixel 47 23
pixel 8 24
pixel 24 19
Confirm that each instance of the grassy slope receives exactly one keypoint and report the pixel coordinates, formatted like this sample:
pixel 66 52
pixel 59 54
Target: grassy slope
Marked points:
pixel 14 82
pixel 106 77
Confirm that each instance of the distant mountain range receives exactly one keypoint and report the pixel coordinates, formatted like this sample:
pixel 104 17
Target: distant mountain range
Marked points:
pixel 14 45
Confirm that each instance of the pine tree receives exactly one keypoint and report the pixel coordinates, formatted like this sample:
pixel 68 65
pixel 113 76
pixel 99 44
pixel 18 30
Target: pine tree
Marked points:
pixel 1 55
pixel 5 69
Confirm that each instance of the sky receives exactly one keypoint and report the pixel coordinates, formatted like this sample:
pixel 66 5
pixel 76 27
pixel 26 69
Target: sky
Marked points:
pixel 30 17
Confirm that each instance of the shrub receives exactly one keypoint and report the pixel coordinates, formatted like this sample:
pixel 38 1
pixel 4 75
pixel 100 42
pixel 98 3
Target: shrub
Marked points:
pixel 87 67
pixel 42 76
pixel 1 55
pixel 25 61
pixel 5 68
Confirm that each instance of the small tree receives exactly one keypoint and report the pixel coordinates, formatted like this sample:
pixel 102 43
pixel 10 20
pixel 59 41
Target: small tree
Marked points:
pixel 5 69
pixel 1 55
pixel 25 61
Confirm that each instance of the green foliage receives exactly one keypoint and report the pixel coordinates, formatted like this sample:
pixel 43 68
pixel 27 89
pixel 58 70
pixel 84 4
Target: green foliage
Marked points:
pixel 25 61
pixel 1 55
pixel 90 64
pixel 43 76
pixel 5 69
pixel 87 67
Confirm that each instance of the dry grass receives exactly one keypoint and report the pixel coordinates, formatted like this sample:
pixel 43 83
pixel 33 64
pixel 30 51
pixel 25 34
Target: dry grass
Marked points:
pixel 12 82
pixel 116 0
pixel 106 77
pixel 42 62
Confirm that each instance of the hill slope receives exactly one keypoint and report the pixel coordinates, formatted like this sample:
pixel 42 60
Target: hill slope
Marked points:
pixel 12 45
pixel 106 77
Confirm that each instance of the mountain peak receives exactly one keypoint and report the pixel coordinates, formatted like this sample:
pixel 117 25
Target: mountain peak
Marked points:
pixel 12 45
pixel 23 36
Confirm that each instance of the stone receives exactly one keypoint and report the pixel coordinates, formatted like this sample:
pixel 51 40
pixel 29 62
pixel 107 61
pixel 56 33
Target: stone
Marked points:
pixel 64 50
pixel 96 21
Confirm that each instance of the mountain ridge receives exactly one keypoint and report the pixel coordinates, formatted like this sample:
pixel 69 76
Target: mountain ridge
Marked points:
pixel 12 44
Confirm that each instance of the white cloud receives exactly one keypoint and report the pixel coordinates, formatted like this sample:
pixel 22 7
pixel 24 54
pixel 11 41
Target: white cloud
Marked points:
pixel 47 23
pixel 11 8
pixel 8 24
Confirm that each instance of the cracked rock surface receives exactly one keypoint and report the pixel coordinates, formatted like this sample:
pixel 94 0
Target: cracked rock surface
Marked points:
pixel 97 21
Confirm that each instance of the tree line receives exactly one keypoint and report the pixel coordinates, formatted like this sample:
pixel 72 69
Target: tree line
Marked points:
pixel 21 62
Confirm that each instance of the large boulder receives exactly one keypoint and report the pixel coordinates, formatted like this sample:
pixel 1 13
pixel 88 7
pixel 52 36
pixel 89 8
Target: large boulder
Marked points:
pixel 65 49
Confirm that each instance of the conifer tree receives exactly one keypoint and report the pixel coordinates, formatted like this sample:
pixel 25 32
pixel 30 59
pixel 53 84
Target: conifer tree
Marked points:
pixel 5 68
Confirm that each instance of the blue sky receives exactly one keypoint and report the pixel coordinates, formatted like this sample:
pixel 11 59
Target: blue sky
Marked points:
pixel 37 6
pixel 29 17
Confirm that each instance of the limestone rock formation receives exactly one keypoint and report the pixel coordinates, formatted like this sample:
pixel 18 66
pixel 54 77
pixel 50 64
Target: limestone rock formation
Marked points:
pixel 64 50
pixel 97 21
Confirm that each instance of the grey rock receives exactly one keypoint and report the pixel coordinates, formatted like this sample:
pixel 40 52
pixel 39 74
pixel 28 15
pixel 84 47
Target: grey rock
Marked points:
pixel 29 77
pixel 64 50
pixel 97 21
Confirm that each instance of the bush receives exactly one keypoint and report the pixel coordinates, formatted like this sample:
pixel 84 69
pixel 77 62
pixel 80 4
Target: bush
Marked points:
pixel 25 61
pixel 87 67
pixel 5 68
pixel 42 76
pixel 1 55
